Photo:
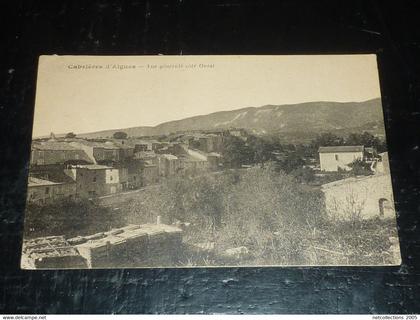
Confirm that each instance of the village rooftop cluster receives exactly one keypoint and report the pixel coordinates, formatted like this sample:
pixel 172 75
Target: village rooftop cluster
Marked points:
pixel 72 167
pixel 87 168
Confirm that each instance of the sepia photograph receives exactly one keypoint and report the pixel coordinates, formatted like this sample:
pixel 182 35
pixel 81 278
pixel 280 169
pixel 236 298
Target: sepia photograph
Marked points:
pixel 208 161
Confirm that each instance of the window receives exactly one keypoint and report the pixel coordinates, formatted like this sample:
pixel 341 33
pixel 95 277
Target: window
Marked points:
pixel 94 179
pixel 110 178
pixel 41 154
pixel 336 157
pixel 47 190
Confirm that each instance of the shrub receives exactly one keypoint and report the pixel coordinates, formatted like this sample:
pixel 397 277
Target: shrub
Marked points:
pixel 120 135
pixel 360 168
pixel 69 218
pixel 303 174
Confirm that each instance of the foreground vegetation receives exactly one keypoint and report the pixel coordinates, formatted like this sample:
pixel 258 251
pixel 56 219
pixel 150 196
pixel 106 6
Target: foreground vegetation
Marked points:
pixel 277 219
pixel 70 218
pixel 270 215
pixel 272 210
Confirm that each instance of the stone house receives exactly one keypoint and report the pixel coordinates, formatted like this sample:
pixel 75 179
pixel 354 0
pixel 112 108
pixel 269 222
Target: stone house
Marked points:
pixel 112 151
pixel 339 157
pixel 194 161
pixel 210 143
pixel 215 160
pixel 94 180
pixel 42 191
pixel 56 152
pixel 240 133
pixel 149 156
pixel 139 144
pixel 149 174
pixel 130 174
pixel 168 164
pixel 157 145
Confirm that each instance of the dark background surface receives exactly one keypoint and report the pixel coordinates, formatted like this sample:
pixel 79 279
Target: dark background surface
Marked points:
pixel 31 28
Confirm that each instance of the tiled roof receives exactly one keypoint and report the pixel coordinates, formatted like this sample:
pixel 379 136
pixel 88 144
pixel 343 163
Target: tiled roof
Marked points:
pixel 36 182
pixel 109 145
pixel 169 156
pixel 149 165
pixel 120 145
pixel 134 142
pixel 214 154
pixel 197 155
pixel 88 143
pixel 340 149
pixel 92 167
pixel 53 145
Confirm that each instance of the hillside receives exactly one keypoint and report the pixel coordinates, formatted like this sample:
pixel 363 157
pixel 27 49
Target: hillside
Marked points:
pixel 305 118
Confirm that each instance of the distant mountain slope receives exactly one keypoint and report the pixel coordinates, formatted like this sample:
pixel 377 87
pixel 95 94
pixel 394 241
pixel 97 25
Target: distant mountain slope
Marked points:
pixel 304 117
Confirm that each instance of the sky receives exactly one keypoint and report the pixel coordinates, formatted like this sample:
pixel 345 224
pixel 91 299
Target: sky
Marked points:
pixel 91 93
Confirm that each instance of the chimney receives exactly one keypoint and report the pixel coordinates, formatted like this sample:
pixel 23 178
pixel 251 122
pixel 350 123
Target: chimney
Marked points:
pixel 159 220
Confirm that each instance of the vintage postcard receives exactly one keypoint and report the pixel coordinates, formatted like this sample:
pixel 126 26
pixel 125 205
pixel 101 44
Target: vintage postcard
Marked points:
pixel 208 161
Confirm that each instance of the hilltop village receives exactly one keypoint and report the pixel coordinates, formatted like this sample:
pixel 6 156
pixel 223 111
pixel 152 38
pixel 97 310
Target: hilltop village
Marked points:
pixel 221 196
pixel 74 167
pixel 71 167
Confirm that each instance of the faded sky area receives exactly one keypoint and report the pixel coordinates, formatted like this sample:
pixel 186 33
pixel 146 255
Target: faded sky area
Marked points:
pixel 71 97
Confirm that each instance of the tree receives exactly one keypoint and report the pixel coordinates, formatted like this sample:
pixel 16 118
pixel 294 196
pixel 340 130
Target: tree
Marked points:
pixel 120 135
pixel 291 162
pixel 366 139
pixel 198 201
pixel 360 168
pixel 195 144
pixel 324 140
pixel 266 211
pixel 235 152
pixel 327 139
pixel 270 214
pixel 70 135
pixel 262 151
pixel 70 218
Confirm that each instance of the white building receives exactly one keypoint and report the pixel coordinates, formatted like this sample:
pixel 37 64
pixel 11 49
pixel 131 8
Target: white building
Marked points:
pixel 339 157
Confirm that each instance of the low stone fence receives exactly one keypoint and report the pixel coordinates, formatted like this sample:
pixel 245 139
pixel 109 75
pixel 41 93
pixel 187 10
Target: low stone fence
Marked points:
pixel 135 246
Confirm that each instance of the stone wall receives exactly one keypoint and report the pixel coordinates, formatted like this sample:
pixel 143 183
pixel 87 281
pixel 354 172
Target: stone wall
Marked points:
pixel 364 197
